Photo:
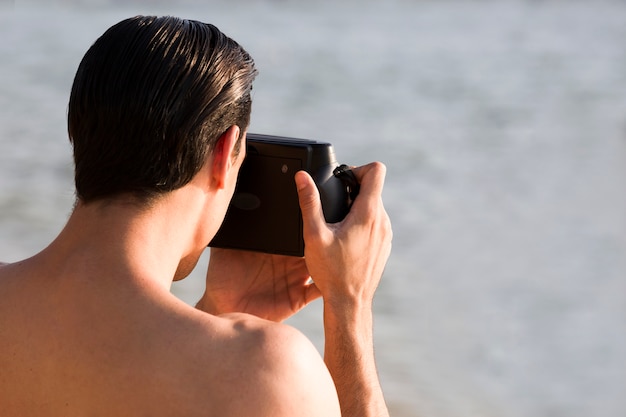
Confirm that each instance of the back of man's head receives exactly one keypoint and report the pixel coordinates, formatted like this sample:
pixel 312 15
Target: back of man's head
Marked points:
pixel 149 101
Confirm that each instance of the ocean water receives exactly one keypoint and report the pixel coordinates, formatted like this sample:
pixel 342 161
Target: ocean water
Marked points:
pixel 503 127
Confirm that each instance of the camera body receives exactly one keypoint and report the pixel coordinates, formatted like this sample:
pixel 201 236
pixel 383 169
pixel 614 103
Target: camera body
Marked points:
pixel 264 214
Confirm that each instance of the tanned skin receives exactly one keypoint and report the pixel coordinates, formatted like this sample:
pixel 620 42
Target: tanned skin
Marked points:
pixel 88 326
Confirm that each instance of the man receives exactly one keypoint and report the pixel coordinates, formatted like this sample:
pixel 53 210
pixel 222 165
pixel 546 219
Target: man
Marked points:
pixel 88 327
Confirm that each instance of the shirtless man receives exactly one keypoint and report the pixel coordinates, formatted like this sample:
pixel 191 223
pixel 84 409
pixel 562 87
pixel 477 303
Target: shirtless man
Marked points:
pixel 88 327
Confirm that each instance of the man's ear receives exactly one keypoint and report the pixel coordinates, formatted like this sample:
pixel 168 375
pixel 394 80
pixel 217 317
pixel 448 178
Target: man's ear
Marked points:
pixel 225 156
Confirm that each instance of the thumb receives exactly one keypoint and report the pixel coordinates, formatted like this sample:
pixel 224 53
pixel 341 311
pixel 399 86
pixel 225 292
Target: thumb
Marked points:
pixel 310 203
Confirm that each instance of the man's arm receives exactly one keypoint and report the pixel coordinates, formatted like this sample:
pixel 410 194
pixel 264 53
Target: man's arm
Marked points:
pixel 349 356
pixel 346 260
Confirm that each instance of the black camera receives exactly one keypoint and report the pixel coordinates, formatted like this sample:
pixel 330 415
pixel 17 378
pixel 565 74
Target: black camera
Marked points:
pixel 264 214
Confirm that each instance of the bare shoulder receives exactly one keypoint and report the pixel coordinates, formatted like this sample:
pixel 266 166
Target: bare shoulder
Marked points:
pixel 5 269
pixel 278 368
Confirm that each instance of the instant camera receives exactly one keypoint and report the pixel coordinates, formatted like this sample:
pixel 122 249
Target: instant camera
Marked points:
pixel 264 214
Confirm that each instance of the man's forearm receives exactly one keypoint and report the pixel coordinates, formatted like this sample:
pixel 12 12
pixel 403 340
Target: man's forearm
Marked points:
pixel 349 355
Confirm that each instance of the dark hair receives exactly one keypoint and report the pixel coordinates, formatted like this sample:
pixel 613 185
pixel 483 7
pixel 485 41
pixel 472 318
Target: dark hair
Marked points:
pixel 150 99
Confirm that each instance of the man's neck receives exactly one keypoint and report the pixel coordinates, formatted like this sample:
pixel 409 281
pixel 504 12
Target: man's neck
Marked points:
pixel 126 242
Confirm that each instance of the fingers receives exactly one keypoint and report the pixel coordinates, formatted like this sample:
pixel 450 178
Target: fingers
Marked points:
pixel 371 178
pixel 368 204
pixel 311 293
pixel 346 259
pixel 310 204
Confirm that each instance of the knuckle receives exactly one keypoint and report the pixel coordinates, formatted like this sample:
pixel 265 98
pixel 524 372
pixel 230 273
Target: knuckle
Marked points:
pixel 383 224
pixel 308 201
pixel 388 229
pixel 379 167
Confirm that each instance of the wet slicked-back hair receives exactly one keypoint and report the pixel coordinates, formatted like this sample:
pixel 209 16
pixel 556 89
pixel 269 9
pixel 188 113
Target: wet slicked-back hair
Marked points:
pixel 150 99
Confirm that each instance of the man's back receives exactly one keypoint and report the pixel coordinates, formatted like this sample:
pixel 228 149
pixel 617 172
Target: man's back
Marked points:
pixel 157 117
pixel 74 347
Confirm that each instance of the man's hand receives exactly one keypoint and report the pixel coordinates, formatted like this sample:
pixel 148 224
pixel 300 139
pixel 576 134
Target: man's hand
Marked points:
pixel 346 261
pixel 272 287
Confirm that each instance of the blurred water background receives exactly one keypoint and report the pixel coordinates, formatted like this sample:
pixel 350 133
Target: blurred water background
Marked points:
pixel 503 127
